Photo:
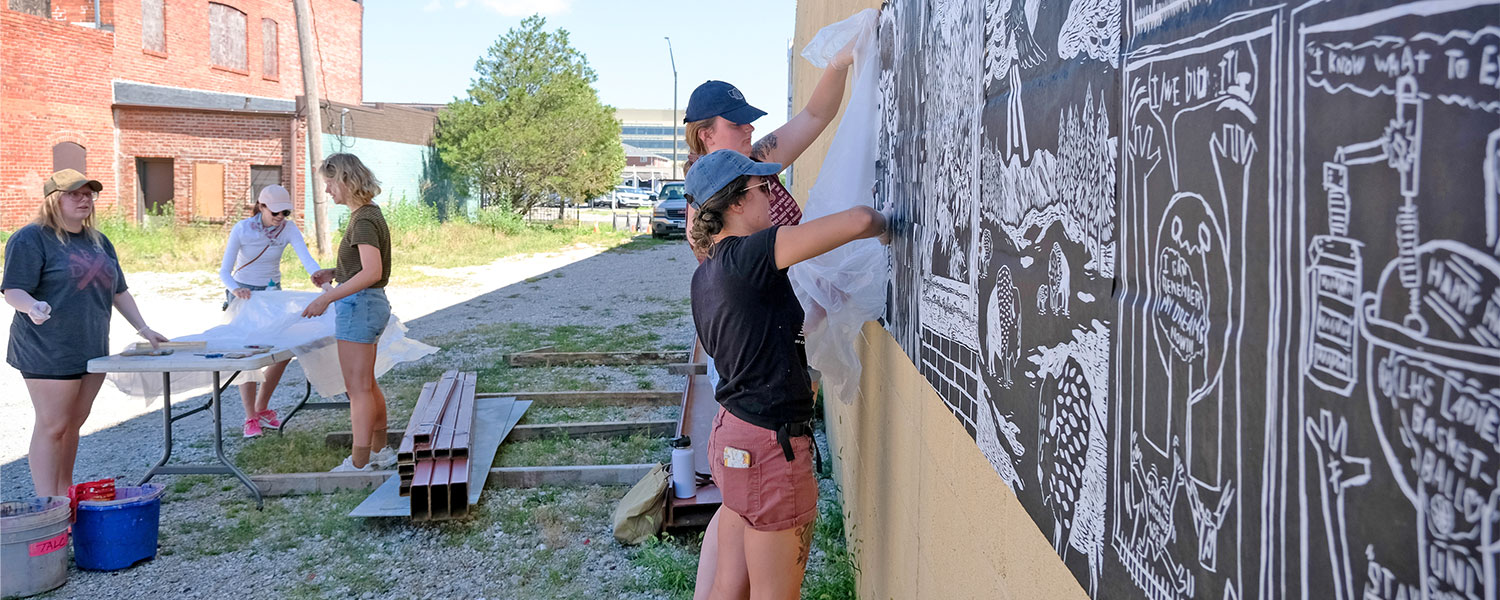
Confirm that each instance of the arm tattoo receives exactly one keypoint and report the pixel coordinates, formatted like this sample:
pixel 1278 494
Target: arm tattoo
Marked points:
pixel 804 535
pixel 764 147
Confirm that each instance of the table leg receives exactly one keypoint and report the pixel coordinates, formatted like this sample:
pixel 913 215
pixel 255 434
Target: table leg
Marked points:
pixel 219 441
pixel 305 405
pixel 166 423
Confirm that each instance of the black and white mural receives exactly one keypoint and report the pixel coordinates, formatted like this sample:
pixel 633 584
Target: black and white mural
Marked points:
pixel 1214 284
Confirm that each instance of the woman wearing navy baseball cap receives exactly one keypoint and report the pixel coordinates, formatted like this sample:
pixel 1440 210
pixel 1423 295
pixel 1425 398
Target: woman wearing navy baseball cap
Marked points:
pixel 719 118
pixel 747 317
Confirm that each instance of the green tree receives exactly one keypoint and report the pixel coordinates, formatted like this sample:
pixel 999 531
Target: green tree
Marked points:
pixel 532 125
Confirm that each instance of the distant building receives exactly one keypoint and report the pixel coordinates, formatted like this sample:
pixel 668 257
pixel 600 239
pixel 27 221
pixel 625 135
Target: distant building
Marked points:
pixel 187 108
pixel 645 169
pixel 650 130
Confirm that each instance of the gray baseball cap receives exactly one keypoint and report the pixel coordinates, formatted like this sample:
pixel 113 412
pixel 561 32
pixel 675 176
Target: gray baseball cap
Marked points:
pixel 718 169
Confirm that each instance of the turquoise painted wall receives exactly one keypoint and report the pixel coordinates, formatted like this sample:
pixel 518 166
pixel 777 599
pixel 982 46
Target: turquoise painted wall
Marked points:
pixel 399 168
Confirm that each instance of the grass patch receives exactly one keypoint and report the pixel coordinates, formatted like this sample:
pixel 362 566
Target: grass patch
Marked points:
pixel 833 576
pixel 668 566
pixel 418 238
pixel 562 450
pixel 301 451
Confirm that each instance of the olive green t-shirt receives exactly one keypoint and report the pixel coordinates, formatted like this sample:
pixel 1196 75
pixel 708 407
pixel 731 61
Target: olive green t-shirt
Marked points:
pixel 366 226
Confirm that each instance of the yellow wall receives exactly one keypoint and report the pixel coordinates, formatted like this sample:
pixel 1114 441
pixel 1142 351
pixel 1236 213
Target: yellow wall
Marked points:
pixel 927 515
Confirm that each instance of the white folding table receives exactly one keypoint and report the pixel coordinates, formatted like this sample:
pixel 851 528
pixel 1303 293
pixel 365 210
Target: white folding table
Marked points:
pixel 191 361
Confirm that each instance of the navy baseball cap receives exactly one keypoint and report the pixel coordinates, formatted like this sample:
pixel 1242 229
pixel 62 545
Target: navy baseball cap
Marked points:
pixel 719 99
pixel 718 169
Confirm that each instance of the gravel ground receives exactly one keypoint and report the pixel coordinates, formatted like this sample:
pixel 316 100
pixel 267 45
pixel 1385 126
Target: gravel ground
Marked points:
pixel 523 543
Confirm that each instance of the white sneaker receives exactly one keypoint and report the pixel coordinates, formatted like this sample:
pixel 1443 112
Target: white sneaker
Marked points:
pixel 348 467
pixel 383 460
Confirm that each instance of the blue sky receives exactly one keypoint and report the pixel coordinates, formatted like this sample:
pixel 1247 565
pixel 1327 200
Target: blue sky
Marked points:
pixel 424 50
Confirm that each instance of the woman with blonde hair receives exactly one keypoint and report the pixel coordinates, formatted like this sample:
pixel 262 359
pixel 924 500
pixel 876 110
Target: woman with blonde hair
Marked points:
pixel 362 310
pixel 62 277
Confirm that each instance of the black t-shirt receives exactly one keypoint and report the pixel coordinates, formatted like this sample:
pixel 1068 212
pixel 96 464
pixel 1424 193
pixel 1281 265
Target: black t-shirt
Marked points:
pixel 79 280
pixel 750 322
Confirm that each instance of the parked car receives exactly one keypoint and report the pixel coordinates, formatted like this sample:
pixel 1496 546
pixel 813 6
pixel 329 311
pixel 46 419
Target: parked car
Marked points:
pixel 670 215
pixel 632 197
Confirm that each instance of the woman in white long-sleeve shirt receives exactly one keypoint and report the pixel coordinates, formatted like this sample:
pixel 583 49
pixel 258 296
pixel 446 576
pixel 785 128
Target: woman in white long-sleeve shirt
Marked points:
pixel 252 263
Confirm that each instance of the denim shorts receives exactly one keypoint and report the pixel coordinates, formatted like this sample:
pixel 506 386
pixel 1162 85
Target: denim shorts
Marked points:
pixel 361 317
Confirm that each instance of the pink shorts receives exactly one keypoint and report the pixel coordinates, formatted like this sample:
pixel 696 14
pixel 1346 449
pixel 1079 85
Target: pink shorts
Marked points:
pixel 772 494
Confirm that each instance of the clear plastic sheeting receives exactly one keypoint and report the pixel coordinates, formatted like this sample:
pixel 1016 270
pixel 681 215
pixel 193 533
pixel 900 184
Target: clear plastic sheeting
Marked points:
pixel 843 289
pixel 275 319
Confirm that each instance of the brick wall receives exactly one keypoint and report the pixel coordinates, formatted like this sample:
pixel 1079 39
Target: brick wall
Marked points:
pixel 54 87
pixel 237 141
pixel 186 63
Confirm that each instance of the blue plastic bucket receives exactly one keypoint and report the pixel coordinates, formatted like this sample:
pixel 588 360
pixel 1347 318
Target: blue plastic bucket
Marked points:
pixel 110 535
pixel 33 545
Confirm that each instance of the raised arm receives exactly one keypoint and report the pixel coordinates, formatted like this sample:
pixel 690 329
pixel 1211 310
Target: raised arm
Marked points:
pixel 790 140
pixel 796 243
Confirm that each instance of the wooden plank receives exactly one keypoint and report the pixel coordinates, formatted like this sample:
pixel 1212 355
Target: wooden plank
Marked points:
pixel 687 368
pixel 521 433
pixel 557 359
pixel 527 477
pixel 296 484
pixel 608 429
pixel 594 398
pixel 292 484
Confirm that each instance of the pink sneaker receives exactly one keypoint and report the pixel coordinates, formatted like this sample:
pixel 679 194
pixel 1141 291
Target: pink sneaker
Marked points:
pixel 268 419
pixel 252 428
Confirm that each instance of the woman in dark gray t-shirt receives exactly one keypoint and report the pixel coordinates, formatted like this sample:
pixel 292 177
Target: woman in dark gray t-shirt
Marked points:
pixel 750 321
pixel 62 278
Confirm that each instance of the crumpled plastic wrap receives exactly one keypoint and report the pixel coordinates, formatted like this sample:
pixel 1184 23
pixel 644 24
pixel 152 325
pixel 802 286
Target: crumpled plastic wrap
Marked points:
pixel 846 287
pixel 275 318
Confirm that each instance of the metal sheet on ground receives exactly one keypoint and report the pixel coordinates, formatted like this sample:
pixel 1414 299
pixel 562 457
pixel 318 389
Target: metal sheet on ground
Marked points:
pixel 493 420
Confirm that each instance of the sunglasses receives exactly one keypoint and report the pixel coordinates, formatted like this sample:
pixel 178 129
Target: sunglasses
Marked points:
pixel 284 213
pixel 763 182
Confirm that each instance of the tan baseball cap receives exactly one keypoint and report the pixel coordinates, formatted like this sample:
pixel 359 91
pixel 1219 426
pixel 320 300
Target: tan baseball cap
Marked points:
pixel 275 198
pixel 68 180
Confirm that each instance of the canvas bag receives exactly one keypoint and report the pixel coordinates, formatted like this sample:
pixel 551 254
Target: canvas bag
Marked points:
pixel 643 509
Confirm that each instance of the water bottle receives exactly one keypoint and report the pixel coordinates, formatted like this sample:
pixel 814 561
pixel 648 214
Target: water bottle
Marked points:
pixel 684 475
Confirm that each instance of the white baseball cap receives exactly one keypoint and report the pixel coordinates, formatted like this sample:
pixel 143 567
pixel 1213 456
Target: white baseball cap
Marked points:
pixel 275 198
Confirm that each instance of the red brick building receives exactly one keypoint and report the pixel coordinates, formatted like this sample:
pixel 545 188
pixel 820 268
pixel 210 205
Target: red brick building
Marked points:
pixel 180 106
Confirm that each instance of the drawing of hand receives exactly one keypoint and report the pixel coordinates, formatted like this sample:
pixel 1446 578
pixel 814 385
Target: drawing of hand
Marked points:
pixel 1232 149
pixel 1145 154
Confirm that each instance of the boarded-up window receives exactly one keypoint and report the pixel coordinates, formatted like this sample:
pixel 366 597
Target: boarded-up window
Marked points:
pixel 40 8
pixel 154 25
pixel 68 155
pixel 226 37
pixel 268 48
pixel 208 190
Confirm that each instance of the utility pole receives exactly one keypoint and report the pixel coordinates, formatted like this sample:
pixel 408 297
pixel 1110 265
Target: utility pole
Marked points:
pixel 308 48
pixel 674 106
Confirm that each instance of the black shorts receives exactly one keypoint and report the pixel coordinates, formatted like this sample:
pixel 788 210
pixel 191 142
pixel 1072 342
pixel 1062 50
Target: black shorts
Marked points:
pixel 68 377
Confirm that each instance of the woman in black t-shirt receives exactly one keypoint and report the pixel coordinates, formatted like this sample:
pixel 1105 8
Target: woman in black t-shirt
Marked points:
pixel 750 322
pixel 62 278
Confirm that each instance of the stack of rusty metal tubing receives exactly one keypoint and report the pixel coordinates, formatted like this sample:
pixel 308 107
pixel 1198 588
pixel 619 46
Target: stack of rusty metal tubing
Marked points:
pixel 433 459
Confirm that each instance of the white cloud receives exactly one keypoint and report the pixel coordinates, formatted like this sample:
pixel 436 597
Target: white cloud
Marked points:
pixel 526 8
pixel 460 3
pixel 433 5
